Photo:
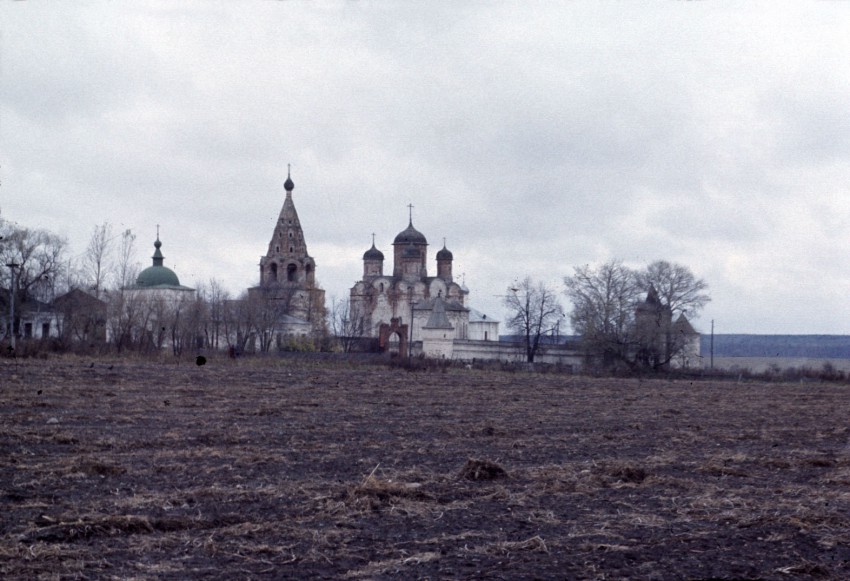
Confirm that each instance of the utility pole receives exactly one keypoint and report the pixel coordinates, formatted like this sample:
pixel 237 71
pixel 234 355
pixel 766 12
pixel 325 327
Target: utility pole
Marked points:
pixel 12 266
pixel 712 344
pixel 412 302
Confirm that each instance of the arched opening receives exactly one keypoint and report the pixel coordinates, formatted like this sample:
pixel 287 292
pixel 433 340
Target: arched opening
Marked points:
pixel 273 272
pixel 290 272
pixel 309 272
pixel 394 344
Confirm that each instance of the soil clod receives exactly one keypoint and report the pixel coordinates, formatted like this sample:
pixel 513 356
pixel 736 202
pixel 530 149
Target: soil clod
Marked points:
pixel 482 470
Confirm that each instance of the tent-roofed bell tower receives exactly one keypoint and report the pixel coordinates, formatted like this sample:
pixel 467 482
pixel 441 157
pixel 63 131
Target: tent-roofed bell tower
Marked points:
pixel 287 259
pixel 287 271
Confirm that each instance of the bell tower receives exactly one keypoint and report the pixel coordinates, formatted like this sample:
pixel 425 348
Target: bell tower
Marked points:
pixel 287 260
pixel 287 271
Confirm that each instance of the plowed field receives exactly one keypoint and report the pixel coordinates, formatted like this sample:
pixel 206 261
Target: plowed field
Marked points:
pixel 279 469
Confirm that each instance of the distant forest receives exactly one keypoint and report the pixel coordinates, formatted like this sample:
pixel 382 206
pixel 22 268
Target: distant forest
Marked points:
pixel 814 346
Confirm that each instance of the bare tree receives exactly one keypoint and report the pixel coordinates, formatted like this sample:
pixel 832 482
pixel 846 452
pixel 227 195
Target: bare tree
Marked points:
pixel 187 316
pixel 97 260
pixel 627 316
pixel 677 287
pixel 127 315
pixel 127 267
pixel 533 311
pixel 238 319
pixel 216 297
pixel 268 315
pixel 347 323
pixel 39 256
pixel 604 301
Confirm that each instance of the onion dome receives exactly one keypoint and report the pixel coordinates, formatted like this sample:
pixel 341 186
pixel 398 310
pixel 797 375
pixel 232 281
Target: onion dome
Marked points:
pixel 373 253
pixel 288 185
pixel 410 236
pixel 445 253
pixel 157 275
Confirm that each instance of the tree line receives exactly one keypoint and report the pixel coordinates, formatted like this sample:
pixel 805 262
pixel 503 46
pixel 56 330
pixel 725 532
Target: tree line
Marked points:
pixel 623 317
pixel 108 314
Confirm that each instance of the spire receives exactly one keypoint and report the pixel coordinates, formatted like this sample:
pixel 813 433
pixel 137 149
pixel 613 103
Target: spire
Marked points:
pixel 288 185
pixel 157 254
pixel 287 238
pixel 652 296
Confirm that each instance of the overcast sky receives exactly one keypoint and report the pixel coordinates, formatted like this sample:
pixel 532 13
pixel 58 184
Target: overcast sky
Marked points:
pixel 532 136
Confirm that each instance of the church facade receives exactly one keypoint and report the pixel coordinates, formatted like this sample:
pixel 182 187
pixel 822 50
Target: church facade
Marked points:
pixel 407 310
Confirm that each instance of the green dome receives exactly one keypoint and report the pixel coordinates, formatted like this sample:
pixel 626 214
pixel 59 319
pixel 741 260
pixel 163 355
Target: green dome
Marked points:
pixel 157 276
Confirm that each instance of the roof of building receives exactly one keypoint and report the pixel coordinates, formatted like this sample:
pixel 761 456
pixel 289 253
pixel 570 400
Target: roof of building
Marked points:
pixel 683 326
pixel 28 305
pixel 410 235
pixel 288 185
pixel 653 303
pixel 373 253
pixel 438 318
pixel 76 298
pixel 476 316
pixel 445 253
pixel 157 275
pixel 652 296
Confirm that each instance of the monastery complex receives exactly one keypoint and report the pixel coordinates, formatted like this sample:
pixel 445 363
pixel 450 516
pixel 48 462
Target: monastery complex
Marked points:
pixel 397 307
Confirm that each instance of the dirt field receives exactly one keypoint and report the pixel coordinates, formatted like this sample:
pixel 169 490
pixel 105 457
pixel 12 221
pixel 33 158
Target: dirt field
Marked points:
pixel 277 470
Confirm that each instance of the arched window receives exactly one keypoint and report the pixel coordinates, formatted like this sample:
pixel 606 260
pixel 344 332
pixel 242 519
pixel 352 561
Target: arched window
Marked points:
pixel 394 344
pixel 290 272
pixel 273 272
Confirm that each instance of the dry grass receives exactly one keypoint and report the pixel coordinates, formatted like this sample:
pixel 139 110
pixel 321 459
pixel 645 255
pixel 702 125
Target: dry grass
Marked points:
pixel 270 469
